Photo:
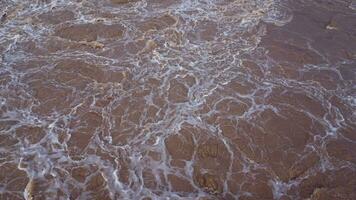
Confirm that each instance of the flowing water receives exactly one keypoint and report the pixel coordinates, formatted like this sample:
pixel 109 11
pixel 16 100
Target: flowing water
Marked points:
pixel 178 99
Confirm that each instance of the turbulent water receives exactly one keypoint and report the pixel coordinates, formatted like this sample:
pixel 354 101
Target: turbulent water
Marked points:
pixel 178 99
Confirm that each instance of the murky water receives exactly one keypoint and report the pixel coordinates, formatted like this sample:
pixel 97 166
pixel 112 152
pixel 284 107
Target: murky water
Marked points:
pixel 178 99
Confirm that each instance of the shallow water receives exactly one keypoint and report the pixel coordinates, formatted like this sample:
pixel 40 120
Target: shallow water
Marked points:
pixel 174 99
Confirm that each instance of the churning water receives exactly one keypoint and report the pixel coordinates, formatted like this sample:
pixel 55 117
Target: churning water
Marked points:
pixel 177 99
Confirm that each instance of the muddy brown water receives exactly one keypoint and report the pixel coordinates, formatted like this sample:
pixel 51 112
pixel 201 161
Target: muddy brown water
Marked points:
pixel 175 99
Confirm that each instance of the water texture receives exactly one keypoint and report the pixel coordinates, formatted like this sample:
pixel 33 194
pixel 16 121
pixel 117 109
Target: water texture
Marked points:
pixel 178 99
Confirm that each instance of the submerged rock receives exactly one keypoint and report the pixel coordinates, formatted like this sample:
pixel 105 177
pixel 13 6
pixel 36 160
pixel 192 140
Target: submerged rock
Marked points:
pixel 208 182
pixel 93 44
pixel 29 190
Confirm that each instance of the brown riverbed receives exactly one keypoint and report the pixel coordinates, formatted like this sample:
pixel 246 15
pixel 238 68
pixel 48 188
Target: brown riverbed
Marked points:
pixel 175 99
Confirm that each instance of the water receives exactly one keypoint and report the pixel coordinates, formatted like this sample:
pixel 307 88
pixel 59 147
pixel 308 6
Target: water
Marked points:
pixel 153 99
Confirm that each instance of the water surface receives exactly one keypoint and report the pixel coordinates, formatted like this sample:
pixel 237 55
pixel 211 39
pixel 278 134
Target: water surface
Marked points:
pixel 178 99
